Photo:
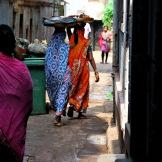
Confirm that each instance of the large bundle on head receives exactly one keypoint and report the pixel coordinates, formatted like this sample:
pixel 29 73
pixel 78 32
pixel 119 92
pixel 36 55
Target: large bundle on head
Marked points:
pixel 73 20
pixel 82 18
pixel 85 18
pixel 57 21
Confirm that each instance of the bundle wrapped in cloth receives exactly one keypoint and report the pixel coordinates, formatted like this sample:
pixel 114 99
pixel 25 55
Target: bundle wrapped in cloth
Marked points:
pixel 83 18
pixel 58 21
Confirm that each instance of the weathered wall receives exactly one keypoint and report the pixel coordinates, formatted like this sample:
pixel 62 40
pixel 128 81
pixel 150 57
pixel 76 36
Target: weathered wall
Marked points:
pixel 5 12
pixel 25 17
pixel 28 19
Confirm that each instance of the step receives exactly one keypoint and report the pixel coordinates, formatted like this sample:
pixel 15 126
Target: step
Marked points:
pixel 110 157
pixel 102 158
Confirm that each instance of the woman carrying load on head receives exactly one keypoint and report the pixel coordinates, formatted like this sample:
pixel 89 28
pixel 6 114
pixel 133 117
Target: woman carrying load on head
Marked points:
pixel 58 80
pixel 79 57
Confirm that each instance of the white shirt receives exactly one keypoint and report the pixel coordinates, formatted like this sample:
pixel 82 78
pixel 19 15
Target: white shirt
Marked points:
pixel 87 30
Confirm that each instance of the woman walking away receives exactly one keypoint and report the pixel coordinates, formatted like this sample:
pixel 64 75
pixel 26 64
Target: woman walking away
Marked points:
pixel 15 99
pixel 58 73
pixel 104 43
pixel 79 57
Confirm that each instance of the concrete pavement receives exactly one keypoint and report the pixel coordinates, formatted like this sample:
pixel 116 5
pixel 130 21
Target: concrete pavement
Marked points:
pixel 85 140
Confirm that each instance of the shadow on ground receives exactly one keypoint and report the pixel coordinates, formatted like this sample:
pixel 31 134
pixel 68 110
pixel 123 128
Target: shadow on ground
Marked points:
pixel 78 139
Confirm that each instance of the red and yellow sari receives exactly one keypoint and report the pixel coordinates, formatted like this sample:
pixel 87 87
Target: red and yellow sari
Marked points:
pixel 78 62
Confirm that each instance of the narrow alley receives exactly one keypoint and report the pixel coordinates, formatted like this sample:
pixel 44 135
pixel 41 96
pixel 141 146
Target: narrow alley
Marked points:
pixel 44 47
pixel 84 140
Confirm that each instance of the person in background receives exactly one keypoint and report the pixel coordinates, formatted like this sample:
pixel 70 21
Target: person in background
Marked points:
pixel 79 58
pixel 104 43
pixel 15 99
pixel 58 73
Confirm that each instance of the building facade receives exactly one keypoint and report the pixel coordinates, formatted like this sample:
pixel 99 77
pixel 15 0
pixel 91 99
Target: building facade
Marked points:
pixel 137 85
pixel 122 34
pixel 6 13
pixel 25 17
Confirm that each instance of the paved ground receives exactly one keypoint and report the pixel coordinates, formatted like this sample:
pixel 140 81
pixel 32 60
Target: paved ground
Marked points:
pixel 79 140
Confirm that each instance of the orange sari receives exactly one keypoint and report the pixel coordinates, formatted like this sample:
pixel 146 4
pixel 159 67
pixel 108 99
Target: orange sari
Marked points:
pixel 78 62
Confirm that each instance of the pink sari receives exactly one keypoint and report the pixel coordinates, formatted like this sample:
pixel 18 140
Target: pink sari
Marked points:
pixel 15 104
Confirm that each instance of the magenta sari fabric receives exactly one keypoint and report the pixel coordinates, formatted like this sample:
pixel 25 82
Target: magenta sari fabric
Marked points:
pixel 15 101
